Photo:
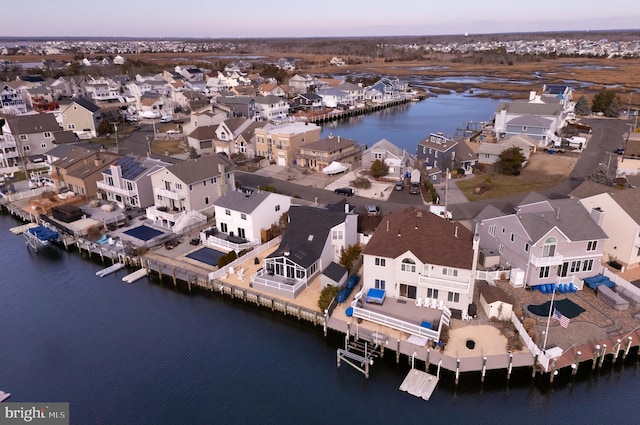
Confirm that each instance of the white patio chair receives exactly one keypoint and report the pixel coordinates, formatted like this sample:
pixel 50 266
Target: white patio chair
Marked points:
pixel 231 270
pixel 441 305
pixel 434 303
pixel 418 302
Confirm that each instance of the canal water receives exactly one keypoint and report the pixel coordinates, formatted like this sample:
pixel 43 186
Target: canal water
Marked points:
pixel 145 353
pixel 406 125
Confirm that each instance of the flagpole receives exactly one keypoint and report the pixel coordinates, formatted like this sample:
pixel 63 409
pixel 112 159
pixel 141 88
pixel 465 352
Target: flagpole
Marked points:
pixel 546 332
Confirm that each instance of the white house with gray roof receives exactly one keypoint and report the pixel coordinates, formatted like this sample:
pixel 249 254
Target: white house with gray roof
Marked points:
pixel 543 241
pixel 489 153
pixel 245 214
pixel 536 120
pixel 184 193
pixel 311 242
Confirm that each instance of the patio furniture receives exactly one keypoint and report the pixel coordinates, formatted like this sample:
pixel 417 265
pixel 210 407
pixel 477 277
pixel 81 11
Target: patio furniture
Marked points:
pixel 418 302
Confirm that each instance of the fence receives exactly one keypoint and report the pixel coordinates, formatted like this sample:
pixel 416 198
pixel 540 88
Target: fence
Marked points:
pixel 531 345
pixel 249 255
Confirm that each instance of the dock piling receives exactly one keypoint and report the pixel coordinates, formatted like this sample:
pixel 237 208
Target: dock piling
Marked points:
pixel 484 369
pixel 596 355
pixel 626 350
pixel 602 354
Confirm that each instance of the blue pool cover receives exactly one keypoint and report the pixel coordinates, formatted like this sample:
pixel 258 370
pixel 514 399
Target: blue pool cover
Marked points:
pixel 144 233
pixel 206 255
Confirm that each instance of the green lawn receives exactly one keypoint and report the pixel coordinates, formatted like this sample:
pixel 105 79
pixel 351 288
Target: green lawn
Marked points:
pixel 507 185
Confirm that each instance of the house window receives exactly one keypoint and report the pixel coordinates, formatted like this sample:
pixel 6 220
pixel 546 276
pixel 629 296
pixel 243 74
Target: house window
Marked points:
pixel 26 148
pixel 47 135
pixel 204 183
pixel 575 266
pixel 223 227
pixel 379 284
pixel 432 293
pixel 71 126
pixel 526 247
pixel 492 230
pixel 23 137
pixel 524 128
pixel 178 186
pixel 504 229
pixel 512 237
pixel 377 155
pixel 587 265
pixel 380 262
pixel 544 272
pixel 190 187
pixel 337 235
pixel 227 212
pixel 408 265
pixel 129 185
pixel 449 272
pixel 501 249
pixel 453 297
pixel 243 216
pixel 277 207
pixel 549 247
pixel 591 245
pixel 43 146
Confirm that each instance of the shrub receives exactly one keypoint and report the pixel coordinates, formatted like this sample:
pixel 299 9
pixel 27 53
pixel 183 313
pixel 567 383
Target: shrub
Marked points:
pixel 361 183
pixel 379 169
pixel 326 296
pixel 444 334
pixel 227 258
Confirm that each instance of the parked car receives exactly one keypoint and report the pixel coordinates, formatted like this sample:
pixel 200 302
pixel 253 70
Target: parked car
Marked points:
pixel 174 131
pixel 167 118
pixel 347 191
pixel 399 185
pixel 136 127
pixel 620 150
pixel 131 118
pixel 373 210
pixel 414 189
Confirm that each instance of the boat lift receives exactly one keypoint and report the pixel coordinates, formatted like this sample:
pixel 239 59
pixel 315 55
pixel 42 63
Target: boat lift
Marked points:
pixel 360 352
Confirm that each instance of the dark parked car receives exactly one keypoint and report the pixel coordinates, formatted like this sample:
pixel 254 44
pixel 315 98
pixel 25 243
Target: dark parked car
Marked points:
pixel 415 188
pixel 400 185
pixel 373 210
pixel 347 191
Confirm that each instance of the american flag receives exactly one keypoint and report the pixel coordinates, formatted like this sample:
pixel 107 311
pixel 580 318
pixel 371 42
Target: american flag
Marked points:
pixel 564 320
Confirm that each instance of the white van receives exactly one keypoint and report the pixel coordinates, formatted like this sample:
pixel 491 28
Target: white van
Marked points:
pixel 167 118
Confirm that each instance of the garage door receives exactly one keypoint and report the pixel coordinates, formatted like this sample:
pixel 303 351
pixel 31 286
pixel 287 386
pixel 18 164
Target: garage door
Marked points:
pixel 281 161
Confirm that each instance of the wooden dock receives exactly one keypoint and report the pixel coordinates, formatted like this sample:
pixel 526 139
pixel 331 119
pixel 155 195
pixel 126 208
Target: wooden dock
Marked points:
pixel 419 384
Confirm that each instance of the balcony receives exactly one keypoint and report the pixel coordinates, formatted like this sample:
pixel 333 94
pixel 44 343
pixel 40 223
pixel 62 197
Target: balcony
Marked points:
pixel 168 194
pixel 285 286
pixel 556 260
pixel 444 284
pixel 158 213
pixel 113 189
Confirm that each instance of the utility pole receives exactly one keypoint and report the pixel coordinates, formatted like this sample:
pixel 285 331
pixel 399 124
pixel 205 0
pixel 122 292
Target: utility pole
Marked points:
pixel 115 127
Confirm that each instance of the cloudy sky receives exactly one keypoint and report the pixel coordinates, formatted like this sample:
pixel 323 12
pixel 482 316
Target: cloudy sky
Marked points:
pixel 253 18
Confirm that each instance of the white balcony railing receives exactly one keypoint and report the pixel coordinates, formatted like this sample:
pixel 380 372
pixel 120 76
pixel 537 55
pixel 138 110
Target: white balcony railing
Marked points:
pixel 157 213
pixel 118 190
pixel 547 261
pixel 168 194
pixel 444 284
pixel 397 324
pixel 291 286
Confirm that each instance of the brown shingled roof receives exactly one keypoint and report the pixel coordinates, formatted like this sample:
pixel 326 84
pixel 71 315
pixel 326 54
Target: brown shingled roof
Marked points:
pixel 430 238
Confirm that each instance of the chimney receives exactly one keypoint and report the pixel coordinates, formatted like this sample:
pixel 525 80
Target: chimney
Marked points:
pixel 346 208
pixel 558 213
pixel 338 139
pixel 597 215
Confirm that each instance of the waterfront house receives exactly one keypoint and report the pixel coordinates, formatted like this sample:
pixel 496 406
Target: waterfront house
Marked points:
pixel 308 102
pixel 246 215
pixel 319 154
pixel 398 160
pixel 311 241
pixel 72 86
pixel 540 117
pixel 332 98
pixel 280 142
pixel 544 241
pixel 390 88
pixel 127 182
pixel 302 83
pixel 271 108
pixel 355 92
pixel 271 89
pixel 81 116
pixel 489 153
pixel 102 89
pixel 184 192
pixel 617 212
pixel 414 254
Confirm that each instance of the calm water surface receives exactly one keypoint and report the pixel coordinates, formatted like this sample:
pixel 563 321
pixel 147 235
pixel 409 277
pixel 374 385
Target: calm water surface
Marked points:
pixel 144 353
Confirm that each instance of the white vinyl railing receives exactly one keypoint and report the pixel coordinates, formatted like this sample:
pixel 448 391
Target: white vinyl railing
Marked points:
pixel 397 324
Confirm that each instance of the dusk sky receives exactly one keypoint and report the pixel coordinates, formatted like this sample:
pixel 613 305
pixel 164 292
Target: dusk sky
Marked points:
pixel 253 18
